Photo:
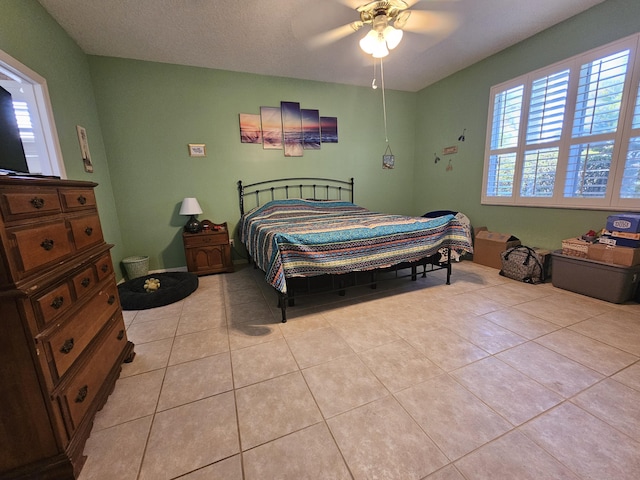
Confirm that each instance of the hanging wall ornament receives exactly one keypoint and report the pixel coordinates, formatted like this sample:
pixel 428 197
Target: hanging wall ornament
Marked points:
pixel 388 159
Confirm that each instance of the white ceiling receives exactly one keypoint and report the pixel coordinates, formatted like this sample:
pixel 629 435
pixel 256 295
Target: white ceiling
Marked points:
pixel 284 37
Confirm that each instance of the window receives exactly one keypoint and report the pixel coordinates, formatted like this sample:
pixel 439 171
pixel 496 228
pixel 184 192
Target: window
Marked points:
pixel 34 115
pixel 568 135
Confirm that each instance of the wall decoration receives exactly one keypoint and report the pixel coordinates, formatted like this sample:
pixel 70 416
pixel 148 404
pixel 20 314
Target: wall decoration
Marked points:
pixel 250 130
pixel 197 150
pixel 291 129
pixel 271 120
pixel 329 129
pixel 84 149
pixel 310 129
pixel 288 127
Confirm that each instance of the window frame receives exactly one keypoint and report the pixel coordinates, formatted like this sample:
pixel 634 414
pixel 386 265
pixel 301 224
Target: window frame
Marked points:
pixel 53 165
pixel 621 136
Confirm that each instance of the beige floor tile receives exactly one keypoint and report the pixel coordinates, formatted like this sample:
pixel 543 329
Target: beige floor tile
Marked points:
pixel 343 384
pixel 457 421
pixel 591 353
pixel 399 365
pixel 133 397
pixel 513 293
pixel 522 323
pixel 172 310
pixel 318 346
pixel 585 444
pixel 191 436
pixel 253 333
pixel 195 321
pixel 227 469
pixel 363 334
pixel 475 303
pixel 302 321
pixel 510 393
pixel 614 403
pixel 199 345
pixel 285 401
pixel 151 331
pixel 485 334
pixel 447 473
pixel 367 437
pixel 261 362
pixel 564 309
pixel 445 348
pixel 149 356
pixel 256 312
pixel 512 457
pixel 302 455
pixel 630 376
pixel 194 380
pixel 616 328
pixel 116 452
pixel 556 372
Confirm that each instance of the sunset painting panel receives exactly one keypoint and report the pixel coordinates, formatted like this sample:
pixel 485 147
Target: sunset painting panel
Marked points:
pixel 310 129
pixel 329 129
pixel 271 128
pixel 250 130
pixel 291 129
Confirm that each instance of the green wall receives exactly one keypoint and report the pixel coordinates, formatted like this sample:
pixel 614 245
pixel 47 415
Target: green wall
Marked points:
pixel 31 36
pixel 141 116
pixel 150 111
pixel 462 101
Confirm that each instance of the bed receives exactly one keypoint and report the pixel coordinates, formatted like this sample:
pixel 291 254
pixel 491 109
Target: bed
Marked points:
pixel 303 228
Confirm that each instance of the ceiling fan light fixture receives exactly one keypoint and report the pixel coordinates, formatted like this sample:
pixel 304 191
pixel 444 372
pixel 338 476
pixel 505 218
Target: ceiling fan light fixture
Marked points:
pixel 392 36
pixel 380 50
pixel 369 42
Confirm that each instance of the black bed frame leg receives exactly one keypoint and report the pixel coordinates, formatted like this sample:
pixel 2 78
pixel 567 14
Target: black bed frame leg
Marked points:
pixel 282 303
pixel 414 273
pixel 448 265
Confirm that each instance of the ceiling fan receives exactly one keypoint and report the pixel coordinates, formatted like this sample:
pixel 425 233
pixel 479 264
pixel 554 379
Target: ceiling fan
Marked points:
pixel 388 20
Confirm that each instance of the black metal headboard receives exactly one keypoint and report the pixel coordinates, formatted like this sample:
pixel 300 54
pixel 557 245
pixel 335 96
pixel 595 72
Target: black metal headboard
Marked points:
pixel 301 187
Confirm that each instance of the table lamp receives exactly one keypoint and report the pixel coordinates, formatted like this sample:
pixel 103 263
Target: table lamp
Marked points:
pixel 190 206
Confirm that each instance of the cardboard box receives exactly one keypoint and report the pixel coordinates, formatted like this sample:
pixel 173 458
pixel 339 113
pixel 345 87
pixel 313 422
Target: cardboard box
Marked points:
pixel 619 241
pixel 612 283
pixel 624 222
pixel 488 246
pixel 624 256
pixel 575 247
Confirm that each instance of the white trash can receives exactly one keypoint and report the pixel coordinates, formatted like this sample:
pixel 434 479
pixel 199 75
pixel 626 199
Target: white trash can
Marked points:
pixel 137 266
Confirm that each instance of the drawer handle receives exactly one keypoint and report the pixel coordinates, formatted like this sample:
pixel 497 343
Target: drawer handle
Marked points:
pixel 67 346
pixel 112 299
pixel 85 282
pixel 120 334
pixel 82 199
pixel 88 231
pixel 104 268
pixel 37 202
pixel 82 394
pixel 57 302
pixel 47 244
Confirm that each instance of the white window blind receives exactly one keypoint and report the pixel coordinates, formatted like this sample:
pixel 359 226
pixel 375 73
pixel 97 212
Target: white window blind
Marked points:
pixel 562 134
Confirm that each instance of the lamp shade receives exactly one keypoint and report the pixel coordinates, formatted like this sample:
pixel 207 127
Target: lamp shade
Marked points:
pixel 190 206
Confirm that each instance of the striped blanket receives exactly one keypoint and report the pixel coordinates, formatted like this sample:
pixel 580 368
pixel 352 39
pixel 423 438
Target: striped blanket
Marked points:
pixel 302 238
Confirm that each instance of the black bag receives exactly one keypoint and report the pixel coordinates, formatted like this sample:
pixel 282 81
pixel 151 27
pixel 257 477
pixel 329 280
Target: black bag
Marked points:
pixel 523 264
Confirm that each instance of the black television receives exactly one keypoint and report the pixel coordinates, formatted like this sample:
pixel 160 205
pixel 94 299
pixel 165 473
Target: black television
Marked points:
pixel 12 157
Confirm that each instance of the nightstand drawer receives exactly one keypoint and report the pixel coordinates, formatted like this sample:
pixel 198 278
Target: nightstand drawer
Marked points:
pixel 200 239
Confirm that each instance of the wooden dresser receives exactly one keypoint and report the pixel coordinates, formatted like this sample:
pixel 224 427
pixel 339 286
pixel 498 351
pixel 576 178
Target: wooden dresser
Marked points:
pixel 62 336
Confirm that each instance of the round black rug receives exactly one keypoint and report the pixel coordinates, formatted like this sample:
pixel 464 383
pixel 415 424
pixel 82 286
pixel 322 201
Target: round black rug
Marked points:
pixel 174 286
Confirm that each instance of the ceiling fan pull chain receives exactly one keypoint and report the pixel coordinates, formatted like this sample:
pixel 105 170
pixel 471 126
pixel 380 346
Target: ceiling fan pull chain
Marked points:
pixel 384 103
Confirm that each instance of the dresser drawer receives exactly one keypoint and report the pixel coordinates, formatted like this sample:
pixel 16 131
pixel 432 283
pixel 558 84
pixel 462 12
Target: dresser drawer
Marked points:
pixel 80 393
pixel 16 205
pixel 39 246
pixel 80 199
pixel 104 266
pixel 66 344
pixel 84 281
pixel 86 231
pixel 53 303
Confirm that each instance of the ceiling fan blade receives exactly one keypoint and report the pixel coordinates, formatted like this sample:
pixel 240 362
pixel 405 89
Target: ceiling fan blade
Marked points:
pixel 326 38
pixel 432 23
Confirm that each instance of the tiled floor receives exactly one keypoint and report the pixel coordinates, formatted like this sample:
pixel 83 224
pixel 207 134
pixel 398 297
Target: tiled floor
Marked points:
pixel 486 378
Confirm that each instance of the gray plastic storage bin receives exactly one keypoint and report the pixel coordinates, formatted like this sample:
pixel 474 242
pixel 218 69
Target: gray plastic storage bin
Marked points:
pixel 613 283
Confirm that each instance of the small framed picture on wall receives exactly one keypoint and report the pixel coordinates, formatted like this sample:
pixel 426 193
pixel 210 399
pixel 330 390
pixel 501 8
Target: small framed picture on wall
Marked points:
pixel 197 150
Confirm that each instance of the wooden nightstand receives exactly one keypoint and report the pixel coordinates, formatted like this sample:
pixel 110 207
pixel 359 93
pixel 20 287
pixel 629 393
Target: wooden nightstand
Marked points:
pixel 208 251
